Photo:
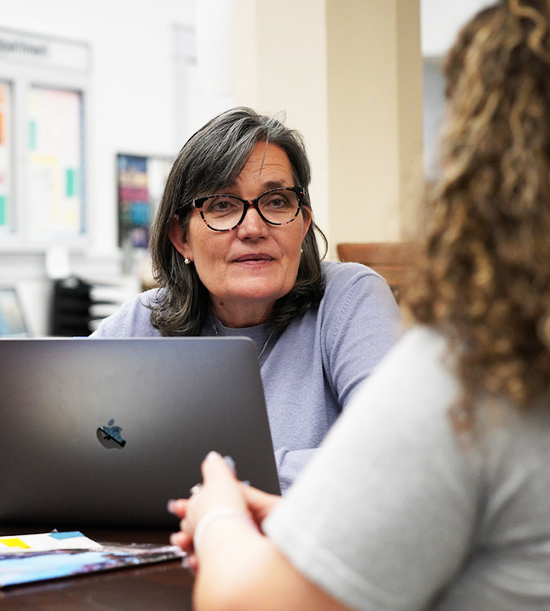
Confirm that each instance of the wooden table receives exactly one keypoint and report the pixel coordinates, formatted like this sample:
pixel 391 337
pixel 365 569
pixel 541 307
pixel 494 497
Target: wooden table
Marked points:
pixel 158 587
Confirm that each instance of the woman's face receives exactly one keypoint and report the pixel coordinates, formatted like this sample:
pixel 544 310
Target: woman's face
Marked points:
pixel 247 269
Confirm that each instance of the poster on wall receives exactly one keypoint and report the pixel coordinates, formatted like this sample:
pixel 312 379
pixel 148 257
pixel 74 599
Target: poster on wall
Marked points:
pixel 5 156
pixel 56 162
pixel 140 183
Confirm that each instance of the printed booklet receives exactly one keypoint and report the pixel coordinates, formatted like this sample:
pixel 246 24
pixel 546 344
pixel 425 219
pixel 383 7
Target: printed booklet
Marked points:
pixel 38 557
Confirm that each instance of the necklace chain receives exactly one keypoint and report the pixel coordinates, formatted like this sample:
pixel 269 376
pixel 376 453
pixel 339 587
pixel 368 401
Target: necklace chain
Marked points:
pixel 266 343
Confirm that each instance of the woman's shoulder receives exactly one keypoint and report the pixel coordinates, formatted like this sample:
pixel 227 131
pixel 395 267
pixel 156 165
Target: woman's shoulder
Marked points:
pixel 359 284
pixel 142 302
pixel 339 274
pixel 132 319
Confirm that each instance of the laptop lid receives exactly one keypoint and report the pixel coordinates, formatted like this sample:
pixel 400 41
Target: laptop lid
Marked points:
pixel 105 431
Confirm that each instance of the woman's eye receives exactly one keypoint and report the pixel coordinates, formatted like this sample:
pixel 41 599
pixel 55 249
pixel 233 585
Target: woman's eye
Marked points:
pixel 277 203
pixel 222 206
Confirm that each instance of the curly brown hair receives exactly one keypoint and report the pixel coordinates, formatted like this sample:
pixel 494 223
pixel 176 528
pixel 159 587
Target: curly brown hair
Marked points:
pixel 484 279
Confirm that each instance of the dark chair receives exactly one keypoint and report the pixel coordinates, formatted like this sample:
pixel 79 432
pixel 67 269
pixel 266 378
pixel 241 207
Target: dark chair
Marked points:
pixel 70 310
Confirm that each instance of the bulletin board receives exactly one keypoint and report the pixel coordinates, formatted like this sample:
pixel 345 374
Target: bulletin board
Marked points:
pixel 44 109
pixel 140 183
pixel 5 156
pixel 56 162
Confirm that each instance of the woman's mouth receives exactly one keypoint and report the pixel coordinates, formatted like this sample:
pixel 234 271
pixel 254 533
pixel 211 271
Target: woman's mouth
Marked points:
pixel 253 258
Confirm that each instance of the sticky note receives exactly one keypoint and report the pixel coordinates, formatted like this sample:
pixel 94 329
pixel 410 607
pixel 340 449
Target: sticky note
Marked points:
pixel 14 542
pixel 32 135
pixel 70 181
pixel 66 535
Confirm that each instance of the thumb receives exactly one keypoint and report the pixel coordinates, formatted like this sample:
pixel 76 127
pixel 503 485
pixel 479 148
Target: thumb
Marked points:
pixel 214 467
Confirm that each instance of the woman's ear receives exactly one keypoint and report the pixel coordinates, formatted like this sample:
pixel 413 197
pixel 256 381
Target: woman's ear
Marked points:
pixel 176 236
pixel 307 220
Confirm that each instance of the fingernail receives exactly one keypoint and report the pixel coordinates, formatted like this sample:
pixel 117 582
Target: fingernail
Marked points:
pixel 230 463
pixel 212 453
pixel 186 564
pixel 174 539
pixel 170 506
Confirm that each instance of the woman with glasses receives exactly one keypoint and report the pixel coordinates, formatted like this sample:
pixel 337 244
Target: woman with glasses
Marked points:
pixel 235 254
pixel 432 491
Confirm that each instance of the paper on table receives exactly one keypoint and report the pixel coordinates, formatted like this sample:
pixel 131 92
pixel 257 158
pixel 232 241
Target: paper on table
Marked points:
pixel 38 557
pixel 46 541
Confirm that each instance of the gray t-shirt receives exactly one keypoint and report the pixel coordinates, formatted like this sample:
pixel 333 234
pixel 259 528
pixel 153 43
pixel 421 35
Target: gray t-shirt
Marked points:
pixel 398 511
pixel 312 368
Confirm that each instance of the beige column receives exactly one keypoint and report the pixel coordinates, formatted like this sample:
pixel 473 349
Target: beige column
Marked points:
pixel 280 65
pixel 348 73
pixel 375 116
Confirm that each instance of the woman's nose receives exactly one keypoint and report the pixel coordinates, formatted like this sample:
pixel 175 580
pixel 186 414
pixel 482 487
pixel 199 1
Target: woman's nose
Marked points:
pixel 252 225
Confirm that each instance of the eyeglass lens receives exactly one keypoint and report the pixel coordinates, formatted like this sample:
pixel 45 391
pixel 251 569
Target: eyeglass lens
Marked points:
pixel 277 207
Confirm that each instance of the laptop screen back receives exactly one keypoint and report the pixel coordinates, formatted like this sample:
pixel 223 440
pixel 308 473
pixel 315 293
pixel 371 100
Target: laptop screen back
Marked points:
pixel 106 431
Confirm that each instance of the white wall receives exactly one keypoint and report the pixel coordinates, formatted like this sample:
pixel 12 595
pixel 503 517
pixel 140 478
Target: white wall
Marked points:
pixel 442 19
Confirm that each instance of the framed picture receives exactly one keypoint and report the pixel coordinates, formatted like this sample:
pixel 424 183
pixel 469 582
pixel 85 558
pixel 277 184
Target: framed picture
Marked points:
pixel 12 318
pixel 140 183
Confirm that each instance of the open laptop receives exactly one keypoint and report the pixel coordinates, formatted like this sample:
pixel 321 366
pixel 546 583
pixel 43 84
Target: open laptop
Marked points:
pixel 105 431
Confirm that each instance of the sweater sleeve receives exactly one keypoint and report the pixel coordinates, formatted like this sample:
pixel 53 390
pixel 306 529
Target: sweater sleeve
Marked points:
pixel 360 323
pixel 335 348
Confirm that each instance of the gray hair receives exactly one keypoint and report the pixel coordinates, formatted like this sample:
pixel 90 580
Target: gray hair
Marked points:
pixel 209 161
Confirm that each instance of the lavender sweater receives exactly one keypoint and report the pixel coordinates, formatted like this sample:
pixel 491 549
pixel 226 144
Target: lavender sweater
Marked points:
pixel 312 368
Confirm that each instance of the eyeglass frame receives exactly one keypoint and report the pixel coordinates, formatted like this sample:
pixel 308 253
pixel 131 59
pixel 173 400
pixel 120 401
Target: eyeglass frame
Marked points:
pixel 299 191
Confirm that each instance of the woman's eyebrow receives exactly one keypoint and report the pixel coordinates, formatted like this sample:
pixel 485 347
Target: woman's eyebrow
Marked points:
pixel 273 184
pixel 266 186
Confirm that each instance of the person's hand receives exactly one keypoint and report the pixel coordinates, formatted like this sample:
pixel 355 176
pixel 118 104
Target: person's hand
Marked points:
pixel 259 503
pixel 220 491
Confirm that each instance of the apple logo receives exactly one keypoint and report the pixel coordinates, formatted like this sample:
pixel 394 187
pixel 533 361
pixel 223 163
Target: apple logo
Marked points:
pixel 110 436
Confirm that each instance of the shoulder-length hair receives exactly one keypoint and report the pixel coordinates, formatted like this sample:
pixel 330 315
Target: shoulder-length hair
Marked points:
pixel 485 278
pixel 210 160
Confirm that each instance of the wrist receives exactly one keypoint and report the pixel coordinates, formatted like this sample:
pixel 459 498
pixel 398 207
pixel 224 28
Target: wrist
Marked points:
pixel 213 516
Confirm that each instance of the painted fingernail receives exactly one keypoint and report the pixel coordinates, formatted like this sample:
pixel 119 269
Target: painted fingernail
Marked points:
pixel 188 565
pixel 230 463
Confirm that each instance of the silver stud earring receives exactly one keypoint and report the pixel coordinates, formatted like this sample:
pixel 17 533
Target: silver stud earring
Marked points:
pixel 187 261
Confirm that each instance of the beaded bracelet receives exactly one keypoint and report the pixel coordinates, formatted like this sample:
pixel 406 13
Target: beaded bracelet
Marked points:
pixel 212 516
